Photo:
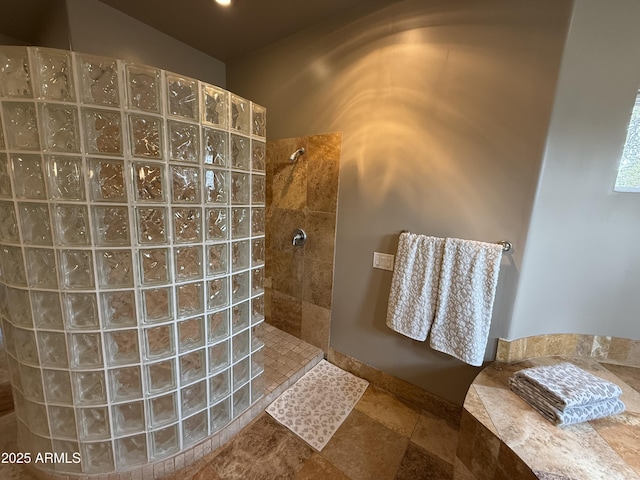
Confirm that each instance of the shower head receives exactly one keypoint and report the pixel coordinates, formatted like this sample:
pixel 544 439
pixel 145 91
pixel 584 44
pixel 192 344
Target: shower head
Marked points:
pixel 295 155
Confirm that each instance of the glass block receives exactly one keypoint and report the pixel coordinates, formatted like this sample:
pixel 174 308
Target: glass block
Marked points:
pixel 107 181
pixel 216 227
pixel 192 366
pixel 53 349
pixel 118 309
pixel 239 317
pixel 54 78
pixel 49 312
pixel 145 136
pixel 12 364
pixel 36 228
pixel 183 97
pixel 240 186
pixel 220 415
pixel 188 263
pixel 21 125
pixel 240 346
pixel 159 342
pixel 122 347
pixel 157 305
pixel 38 445
pixel 93 423
pixel 217 326
pixel 62 422
pixel 103 132
pixel 65 177
pixel 163 410
pixel 31 379
pixel 258 156
pixel 191 334
pixel 240 222
pixel 28 176
pixel 240 286
pixel 59 125
pixel 185 185
pixel 258 190
pixel 184 142
pixel 241 373
pixel 258 120
pixel 15 80
pixel 257 337
pixel 240 153
pixel 257 221
pixel 13 266
pixel 125 383
pixel 216 147
pixel 143 88
pixel 114 268
pixel 149 181
pixel 190 299
pixel 71 225
pixel 111 225
pixel 57 385
pixel 240 112
pixel 19 309
pixel 165 442
pixel 4 311
pixel 193 398
pixel 152 225
pixel 257 251
pixel 99 80
pixel 81 311
pixel 240 255
pixel 76 268
pixel 257 362
pixel 187 225
pixel 218 356
pixel 216 186
pixel 217 259
pixel 128 418
pixel 257 281
pixel 67 449
pixel 161 377
pixel 26 347
pixel 216 106
pixel 217 293
pixel 85 350
pixel 90 388
pixel 194 428
pixel 257 388
pixel 97 457
pixel 241 400
pixel 154 267
pixel 219 386
pixel 2 143
pixel 5 182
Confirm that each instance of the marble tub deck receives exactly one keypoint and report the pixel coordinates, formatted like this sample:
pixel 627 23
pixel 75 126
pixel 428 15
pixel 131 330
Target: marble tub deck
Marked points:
pixel 503 437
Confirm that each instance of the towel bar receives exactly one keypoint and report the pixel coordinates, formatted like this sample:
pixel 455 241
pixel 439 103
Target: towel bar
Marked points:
pixel 506 245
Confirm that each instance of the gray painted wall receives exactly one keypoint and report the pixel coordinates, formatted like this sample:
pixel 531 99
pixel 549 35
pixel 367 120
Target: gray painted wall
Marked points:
pixel 444 108
pixel 581 270
pixel 99 29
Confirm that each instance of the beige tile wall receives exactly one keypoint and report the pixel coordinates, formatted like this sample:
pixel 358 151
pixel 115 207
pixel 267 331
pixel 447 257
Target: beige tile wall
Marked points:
pixel 304 194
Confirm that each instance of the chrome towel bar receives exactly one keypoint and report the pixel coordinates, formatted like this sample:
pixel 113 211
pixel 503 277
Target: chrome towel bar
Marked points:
pixel 506 245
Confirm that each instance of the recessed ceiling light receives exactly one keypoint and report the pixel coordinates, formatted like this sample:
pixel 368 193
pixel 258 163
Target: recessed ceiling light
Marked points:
pixel 226 3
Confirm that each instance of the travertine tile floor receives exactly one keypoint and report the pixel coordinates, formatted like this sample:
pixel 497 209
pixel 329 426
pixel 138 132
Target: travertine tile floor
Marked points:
pixel 382 438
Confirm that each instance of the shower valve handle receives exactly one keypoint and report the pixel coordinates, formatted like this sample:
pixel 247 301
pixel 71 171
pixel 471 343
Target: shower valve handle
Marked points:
pixel 299 237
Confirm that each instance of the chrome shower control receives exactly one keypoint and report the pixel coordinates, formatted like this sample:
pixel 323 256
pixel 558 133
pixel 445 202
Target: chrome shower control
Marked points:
pixel 299 237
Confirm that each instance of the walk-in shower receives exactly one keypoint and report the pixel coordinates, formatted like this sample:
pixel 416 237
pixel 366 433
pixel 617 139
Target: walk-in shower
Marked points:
pixel 132 251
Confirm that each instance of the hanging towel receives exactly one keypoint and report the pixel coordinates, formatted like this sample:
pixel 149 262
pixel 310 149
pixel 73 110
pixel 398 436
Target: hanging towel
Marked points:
pixel 468 281
pixel 414 286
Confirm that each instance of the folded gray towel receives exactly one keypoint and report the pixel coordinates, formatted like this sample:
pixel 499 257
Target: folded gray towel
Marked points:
pixel 564 385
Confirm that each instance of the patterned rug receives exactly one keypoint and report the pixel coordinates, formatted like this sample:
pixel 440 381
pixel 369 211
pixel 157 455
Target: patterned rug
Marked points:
pixel 317 404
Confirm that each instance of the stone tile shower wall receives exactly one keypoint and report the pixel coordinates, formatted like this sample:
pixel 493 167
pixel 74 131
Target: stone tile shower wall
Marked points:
pixel 132 218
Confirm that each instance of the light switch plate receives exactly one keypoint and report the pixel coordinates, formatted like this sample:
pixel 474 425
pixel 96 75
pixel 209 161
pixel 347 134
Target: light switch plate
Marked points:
pixel 383 261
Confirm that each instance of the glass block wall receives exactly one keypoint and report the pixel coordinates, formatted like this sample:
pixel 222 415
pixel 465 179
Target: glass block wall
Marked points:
pixel 132 253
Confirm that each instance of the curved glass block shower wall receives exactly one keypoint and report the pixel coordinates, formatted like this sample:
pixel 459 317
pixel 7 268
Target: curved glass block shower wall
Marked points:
pixel 132 252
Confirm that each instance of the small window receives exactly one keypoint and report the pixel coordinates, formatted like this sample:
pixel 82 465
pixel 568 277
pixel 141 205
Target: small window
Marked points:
pixel 629 171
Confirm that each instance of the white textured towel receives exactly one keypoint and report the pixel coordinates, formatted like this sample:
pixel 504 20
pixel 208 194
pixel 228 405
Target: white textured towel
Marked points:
pixel 468 281
pixel 414 286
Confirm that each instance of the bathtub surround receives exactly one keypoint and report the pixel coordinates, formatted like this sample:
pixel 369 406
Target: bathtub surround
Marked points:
pixel 132 203
pixel 301 194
